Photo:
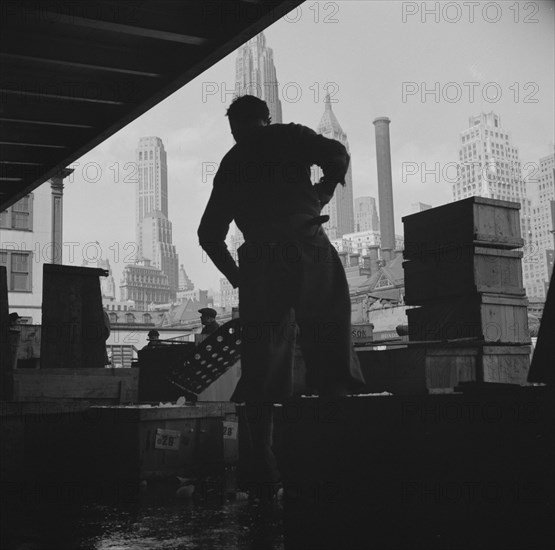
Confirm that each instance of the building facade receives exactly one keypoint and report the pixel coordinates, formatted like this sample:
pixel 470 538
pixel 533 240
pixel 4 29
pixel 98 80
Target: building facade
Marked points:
pixel 255 74
pixel 185 283
pixel 153 227
pixel 158 247
pixel 229 296
pixel 489 166
pixel 366 214
pixel 152 182
pixel 30 236
pixel 340 209
pixel 145 285
pixel 543 228
pixel 363 242
pixel 420 207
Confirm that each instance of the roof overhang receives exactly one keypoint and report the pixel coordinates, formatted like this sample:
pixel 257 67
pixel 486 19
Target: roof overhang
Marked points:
pixel 74 73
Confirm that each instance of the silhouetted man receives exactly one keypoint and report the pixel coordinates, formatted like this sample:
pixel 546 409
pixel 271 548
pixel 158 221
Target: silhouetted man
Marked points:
pixel 288 272
pixel 208 320
pixel 153 338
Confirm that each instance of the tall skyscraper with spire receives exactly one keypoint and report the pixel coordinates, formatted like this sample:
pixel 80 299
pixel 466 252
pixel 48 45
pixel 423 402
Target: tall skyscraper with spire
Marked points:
pixel 489 166
pixel 153 228
pixel 341 208
pixel 255 74
pixel 152 186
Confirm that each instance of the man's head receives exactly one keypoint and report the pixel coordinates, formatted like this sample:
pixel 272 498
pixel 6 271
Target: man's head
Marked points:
pixel 14 318
pixel 153 335
pixel 207 315
pixel 245 114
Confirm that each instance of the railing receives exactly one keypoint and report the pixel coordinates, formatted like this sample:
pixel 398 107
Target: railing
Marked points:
pixel 121 355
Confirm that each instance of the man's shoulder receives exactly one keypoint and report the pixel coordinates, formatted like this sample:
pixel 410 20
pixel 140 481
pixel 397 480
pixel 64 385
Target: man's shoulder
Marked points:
pixel 290 128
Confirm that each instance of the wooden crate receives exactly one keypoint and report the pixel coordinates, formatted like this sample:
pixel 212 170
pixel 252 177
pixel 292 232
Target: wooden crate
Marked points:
pixel 73 326
pixel 28 349
pixel 106 386
pixel 446 368
pixel 463 271
pixel 491 318
pixel 137 442
pixel 476 220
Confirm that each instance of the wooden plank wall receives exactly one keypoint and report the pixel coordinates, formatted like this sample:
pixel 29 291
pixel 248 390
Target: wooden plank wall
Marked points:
pixel 108 386
pixel 73 329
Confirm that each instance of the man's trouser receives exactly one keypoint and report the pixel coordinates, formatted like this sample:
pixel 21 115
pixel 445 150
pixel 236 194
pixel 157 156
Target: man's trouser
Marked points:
pixel 287 283
pixel 284 283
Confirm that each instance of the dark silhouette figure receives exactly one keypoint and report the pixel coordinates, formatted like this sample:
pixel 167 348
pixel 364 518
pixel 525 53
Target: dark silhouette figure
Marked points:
pixel 208 320
pixel 153 338
pixel 288 273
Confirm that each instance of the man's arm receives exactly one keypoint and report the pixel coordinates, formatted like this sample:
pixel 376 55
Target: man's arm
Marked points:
pixel 213 229
pixel 332 157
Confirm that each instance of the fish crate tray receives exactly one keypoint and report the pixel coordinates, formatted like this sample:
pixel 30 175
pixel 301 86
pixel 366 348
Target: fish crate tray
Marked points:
pixel 492 318
pixel 169 372
pixel 446 368
pixel 463 271
pixel 476 220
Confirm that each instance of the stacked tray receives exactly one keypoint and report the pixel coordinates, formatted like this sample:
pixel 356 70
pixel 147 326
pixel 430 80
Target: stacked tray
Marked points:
pixel 463 271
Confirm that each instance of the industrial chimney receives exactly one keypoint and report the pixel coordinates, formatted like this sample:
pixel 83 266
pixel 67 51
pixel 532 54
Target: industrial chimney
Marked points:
pixel 385 187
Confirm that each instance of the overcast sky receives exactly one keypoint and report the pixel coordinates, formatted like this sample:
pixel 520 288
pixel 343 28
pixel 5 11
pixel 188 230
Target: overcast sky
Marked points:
pixel 379 56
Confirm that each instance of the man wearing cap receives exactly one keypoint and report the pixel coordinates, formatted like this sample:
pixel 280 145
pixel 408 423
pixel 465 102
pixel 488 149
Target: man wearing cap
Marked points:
pixel 208 320
pixel 153 338
pixel 289 274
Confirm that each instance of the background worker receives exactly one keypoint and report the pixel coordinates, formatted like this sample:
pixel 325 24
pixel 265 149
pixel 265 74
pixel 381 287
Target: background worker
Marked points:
pixel 208 320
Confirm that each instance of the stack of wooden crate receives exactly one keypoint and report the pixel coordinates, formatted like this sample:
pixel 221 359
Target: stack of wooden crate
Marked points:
pixel 464 271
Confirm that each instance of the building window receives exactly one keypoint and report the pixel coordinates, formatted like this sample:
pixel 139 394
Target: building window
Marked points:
pixel 19 216
pixel 129 318
pixel 113 317
pixel 18 267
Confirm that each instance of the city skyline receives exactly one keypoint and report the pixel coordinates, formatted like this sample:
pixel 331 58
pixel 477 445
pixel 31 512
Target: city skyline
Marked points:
pixel 309 54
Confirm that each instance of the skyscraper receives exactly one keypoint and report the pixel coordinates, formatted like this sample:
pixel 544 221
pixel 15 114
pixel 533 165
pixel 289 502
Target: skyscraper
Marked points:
pixel 156 232
pixel 543 227
pixel 489 166
pixel 340 209
pixel 153 228
pixel 255 74
pixel 366 214
pixel 152 187
pixel 229 296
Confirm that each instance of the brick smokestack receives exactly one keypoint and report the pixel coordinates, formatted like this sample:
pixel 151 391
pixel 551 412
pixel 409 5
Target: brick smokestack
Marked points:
pixel 385 187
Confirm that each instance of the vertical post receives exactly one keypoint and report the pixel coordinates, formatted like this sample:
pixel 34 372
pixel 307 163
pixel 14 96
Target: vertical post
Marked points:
pixel 57 186
pixel 385 186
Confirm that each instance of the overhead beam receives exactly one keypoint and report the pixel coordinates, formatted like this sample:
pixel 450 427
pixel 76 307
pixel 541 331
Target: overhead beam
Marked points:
pixel 46 123
pixel 77 65
pixel 60 96
pixel 119 28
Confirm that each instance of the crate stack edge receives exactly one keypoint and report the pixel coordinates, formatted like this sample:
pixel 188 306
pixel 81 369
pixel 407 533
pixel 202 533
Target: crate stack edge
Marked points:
pixel 464 272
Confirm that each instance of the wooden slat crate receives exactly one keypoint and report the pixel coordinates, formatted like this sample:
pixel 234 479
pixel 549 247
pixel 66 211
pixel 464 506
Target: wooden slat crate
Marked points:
pixel 73 326
pixel 463 271
pixel 491 318
pixel 102 386
pixel 446 368
pixel 476 220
